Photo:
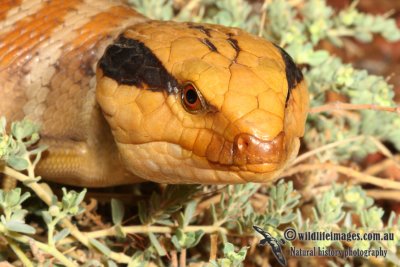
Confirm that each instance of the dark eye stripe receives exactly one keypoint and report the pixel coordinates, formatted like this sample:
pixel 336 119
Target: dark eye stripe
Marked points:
pixel 131 62
pixel 293 73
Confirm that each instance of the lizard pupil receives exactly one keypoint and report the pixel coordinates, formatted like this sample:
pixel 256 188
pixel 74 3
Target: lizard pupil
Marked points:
pixel 191 96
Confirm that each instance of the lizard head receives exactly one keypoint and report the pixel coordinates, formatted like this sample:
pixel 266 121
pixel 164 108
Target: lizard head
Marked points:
pixel 200 103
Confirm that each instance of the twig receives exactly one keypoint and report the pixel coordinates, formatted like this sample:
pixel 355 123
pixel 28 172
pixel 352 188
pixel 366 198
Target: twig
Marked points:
pixel 20 254
pixel 148 229
pixel 295 3
pixel 384 194
pixel 42 194
pixel 359 176
pixel 206 204
pixel 381 147
pixel 182 258
pixel 213 246
pixel 188 7
pixel 382 165
pixel 259 201
pixel 46 248
pixel 326 147
pixel 253 246
pixel 45 196
pixel 263 17
pixel 349 106
pixel 174 258
pixel 318 190
pixel 374 193
pixel 55 253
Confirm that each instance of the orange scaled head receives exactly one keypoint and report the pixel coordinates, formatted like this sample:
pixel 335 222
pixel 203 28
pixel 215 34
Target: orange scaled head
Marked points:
pixel 200 103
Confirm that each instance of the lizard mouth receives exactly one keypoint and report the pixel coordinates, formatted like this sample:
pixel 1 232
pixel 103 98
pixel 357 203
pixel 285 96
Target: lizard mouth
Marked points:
pixel 164 161
pixel 247 151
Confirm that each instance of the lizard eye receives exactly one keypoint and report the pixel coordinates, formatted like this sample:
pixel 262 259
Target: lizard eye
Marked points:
pixel 192 100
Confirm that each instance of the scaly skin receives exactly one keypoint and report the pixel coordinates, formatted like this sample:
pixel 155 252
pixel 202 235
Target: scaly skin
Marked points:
pixel 111 130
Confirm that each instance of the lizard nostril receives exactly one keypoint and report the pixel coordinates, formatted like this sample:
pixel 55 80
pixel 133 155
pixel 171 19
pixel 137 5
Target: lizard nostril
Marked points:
pixel 248 149
pixel 242 142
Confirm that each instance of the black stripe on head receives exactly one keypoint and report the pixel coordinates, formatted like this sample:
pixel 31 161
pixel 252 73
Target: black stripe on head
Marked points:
pixel 234 43
pixel 209 44
pixel 201 28
pixel 131 62
pixel 293 73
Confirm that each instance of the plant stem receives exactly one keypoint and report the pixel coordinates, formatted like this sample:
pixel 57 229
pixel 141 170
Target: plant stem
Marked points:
pixel 182 258
pixel 25 239
pixel 174 258
pixel 50 232
pixel 31 170
pixel 393 195
pixel 148 229
pixel 57 254
pixel 213 246
pixel 46 197
pixel 348 106
pixel 326 147
pixel 263 17
pixel 20 254
pixel 359 176
pixel 42 194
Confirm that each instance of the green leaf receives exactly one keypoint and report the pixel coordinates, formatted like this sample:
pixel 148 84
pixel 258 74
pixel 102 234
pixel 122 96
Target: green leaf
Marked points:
pixel 100 246
pixel 12 198
pixel 71 200
pixel 142 211
pixel 231 257
pixel 19 215
pixel 117 210
pixel 186 240
pixel 24 197
pixel 391 219
pixel 89 263
pixel 139 259
pixel 241 255
pixel 2 197
pixel 38 150
pixel 80 197
pixel 189 211
pixel 18 163
pixel 3 124
pixel 228 248
pixel 160 250
pixel 111 263
pixel 166 222
pixel 176 243
pixel 61 235
pixel 213 213
pixel 119 231
pixel 196 238
pixel 288 218
pixel 19 227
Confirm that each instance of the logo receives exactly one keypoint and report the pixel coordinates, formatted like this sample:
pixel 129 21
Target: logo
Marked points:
pixel 275 245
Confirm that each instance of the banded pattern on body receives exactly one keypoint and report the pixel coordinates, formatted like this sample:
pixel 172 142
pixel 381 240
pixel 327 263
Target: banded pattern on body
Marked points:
pixel 135 125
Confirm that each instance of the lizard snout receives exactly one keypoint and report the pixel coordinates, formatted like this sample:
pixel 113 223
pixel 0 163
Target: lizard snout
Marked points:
pixel 248 149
